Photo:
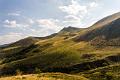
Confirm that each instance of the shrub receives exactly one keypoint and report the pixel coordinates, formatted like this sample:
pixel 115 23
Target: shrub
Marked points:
pixel 37 70
pixel 109 75
pixel 18 72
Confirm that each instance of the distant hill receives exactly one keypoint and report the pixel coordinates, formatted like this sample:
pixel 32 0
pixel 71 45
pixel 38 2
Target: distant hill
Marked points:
pixel 5 45
pixel 25 42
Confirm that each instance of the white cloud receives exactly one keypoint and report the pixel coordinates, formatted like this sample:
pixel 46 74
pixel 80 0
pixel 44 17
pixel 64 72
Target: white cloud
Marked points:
pixel 93 4
pixel 77 12
pixel 40 32
pixel 14 24
pixel 10 37
pixel 74 8
pixel 31 21
pixel 45 27
pixel 10 23
pixel 13 14
pixel 48 23
pixel 72 20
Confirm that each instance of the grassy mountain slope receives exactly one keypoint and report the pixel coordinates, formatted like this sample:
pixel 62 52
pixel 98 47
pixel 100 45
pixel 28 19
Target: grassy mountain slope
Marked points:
pixel 71 50
pixel 106 20
pixel 46 76
pixel 105 34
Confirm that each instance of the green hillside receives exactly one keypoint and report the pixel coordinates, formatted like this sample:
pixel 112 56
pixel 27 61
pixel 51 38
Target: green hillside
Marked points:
pixel 72 50
pixel 45 76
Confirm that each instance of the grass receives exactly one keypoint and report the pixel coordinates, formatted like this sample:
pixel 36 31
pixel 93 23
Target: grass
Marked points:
pixel 10 48
pixel 56 52
pixel 45 76
pixel 68 48
pixel 111 72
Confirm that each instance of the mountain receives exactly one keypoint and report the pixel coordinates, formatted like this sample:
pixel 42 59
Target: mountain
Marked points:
pixel 69 29
pixel 5 45
pixel 106 20
pixel 87 51
pixel 104 32
pixel 25 42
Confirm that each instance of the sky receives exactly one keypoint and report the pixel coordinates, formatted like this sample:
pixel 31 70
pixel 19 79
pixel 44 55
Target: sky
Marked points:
pixel 23 18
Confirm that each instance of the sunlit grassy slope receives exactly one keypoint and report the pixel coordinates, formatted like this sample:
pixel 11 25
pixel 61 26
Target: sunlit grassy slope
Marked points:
pixel 71 50
pixel 57 52
pixel 104 73
pixel 45 76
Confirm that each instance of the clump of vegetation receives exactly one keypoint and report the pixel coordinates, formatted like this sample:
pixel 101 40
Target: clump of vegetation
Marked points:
pixel 19 72
pixel 104 73
pixel 37 70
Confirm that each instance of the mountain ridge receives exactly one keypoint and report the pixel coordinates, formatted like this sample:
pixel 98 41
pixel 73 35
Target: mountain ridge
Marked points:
pixel 71 50
pixel 108 31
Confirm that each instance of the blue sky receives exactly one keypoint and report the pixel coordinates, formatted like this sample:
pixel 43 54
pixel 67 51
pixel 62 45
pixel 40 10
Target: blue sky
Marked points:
pixel 23 18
